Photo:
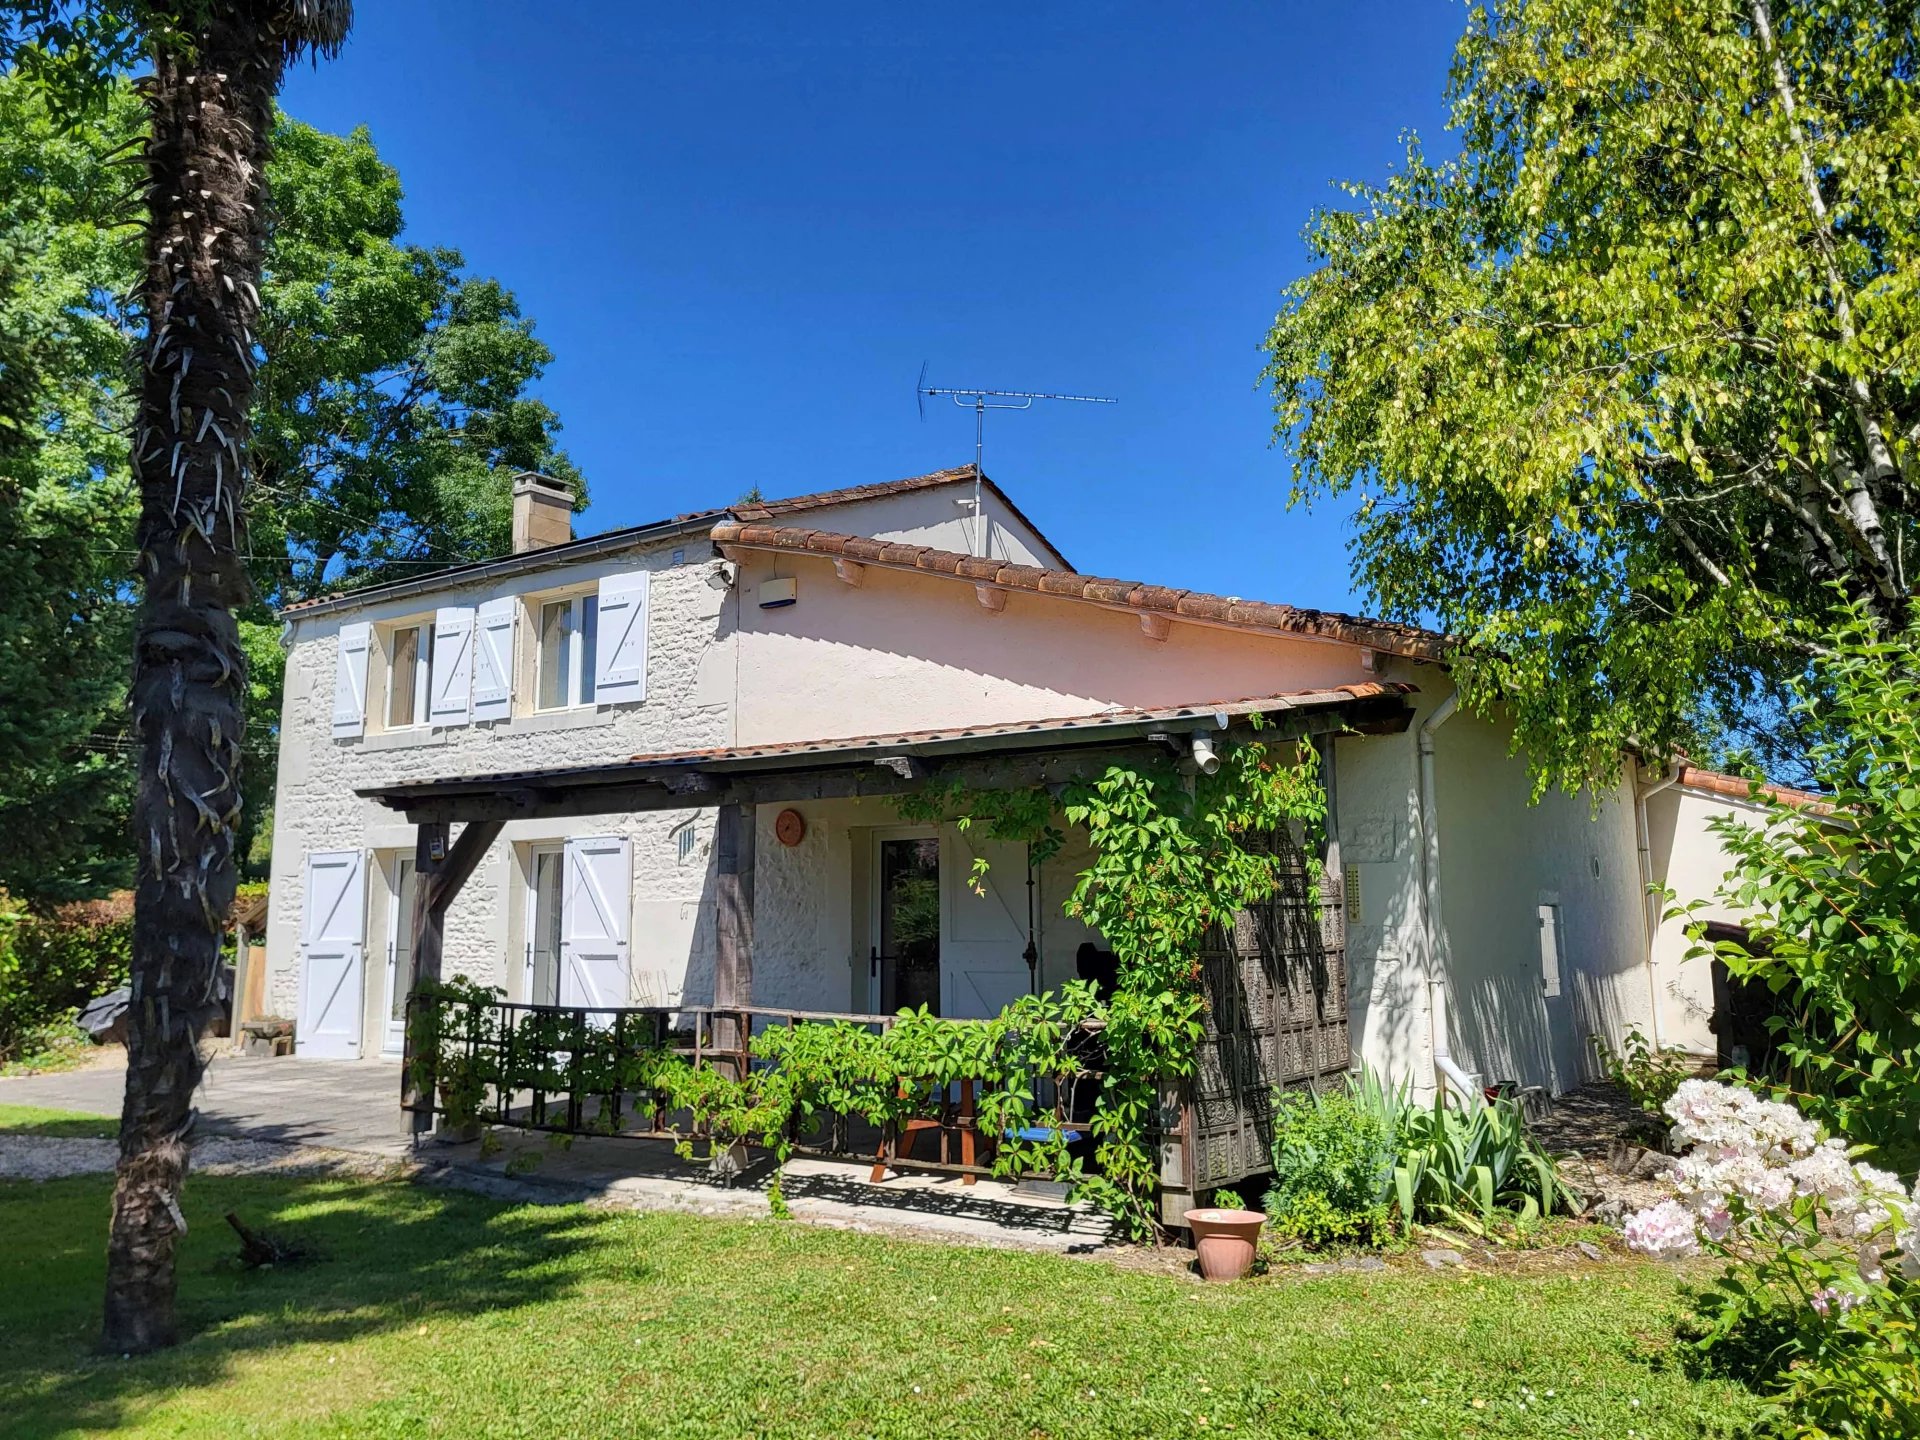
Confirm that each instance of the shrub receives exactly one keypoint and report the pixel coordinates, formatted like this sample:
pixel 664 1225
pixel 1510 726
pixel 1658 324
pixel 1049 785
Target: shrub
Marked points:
pixel 1820 1296
pixel 1648 1076
pixel 1332 1168
pixel 1829 897
pixel 1466 1164
pixel 53 963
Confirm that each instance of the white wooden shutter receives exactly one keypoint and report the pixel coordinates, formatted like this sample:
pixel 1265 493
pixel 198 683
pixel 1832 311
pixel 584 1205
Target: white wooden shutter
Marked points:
pixel 620 672
pixel 350 680
pixel 332 950
pixel 493 659
pixel 596 910
pixel 452 683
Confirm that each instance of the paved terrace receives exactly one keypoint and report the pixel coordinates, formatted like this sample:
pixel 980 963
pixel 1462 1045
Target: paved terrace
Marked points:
pixel 354 1106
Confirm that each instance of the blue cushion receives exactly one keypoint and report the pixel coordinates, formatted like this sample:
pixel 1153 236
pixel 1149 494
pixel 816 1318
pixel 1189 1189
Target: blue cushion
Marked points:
pixel 1043 1132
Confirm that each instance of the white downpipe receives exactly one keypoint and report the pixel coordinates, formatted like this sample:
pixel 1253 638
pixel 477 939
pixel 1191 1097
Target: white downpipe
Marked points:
pixel 1443 1062
pixel 1650 901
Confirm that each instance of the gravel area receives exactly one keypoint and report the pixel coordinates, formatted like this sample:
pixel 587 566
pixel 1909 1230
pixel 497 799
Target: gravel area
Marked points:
pixel 41 1157
pixel 1600 1128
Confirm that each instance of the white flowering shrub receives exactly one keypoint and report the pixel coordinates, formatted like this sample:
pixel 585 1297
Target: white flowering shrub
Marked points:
pixel 1825 1253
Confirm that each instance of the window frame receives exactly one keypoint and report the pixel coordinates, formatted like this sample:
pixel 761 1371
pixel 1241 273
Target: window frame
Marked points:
pixel 422 673
pixel 581 690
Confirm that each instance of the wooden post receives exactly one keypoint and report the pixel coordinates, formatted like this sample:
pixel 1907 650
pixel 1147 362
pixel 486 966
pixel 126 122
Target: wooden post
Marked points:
pixel 440 869
pixel 733 922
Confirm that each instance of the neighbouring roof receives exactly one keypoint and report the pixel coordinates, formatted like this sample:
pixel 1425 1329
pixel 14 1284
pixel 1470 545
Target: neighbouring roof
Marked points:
pixel 1382 703
pixel 1713 782
pixel 1382 635
pixel 693 522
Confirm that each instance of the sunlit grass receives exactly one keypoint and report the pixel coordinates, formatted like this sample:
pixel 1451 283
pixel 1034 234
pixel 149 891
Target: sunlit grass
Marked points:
pixel 433 1312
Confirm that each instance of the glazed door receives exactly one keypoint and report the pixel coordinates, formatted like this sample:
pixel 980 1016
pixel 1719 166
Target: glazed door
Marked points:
pixel 544 889
pixel 400 889
pixel 905 969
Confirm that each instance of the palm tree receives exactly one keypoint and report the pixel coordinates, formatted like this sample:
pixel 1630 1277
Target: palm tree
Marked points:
pixel 217 66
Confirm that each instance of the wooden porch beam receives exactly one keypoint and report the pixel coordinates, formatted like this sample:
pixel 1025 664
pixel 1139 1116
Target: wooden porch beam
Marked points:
pixel 695 788
pixel 439 870
pixel 733 920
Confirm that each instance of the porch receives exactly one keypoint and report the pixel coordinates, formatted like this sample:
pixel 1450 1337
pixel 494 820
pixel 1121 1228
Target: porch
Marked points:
pixel 1280 1037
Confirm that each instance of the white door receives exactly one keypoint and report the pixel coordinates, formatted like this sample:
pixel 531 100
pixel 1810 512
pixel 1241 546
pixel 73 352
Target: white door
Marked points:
pixel 983 967
pixel 333 950
pixel 400 887
pixel 596 908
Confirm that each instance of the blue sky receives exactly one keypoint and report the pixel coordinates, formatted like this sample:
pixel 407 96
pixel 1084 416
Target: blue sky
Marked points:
pixel 742 231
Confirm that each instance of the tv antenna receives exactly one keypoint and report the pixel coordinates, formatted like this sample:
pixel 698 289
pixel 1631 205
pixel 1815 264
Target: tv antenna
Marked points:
pixel 981 401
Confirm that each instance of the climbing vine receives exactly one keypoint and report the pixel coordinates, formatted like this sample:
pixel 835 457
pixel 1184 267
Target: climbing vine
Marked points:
pixel 1176 856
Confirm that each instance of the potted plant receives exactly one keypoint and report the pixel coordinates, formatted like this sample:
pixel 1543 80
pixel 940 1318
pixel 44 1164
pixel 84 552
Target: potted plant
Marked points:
pixel 1225 1238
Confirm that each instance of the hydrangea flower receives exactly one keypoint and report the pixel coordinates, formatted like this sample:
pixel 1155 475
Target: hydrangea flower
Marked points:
pixel 1750 1161
pixel 1663 1230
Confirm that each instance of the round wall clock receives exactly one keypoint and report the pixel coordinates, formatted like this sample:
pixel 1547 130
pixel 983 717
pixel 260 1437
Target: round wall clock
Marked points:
pixel 789 827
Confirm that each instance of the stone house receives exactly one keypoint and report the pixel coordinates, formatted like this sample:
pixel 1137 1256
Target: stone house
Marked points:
pixel 619 708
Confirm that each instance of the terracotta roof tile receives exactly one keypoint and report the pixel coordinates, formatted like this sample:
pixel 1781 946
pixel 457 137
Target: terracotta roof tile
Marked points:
pixel 1383 635
pixel 1692 777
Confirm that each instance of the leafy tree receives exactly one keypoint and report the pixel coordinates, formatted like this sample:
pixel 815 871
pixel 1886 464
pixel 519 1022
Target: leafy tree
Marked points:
pixel 216 67
pixel 390 410
pixel 62 615
pixel 1624 387
pixel 1830 898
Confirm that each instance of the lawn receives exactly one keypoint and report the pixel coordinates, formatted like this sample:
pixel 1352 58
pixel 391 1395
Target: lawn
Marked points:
pixel 63 1124
pixel 436 1312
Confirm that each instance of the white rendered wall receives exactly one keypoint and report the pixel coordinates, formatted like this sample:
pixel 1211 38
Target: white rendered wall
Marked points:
pixel 1688 859
pixel 941 518
pixel 906 651
pixel 1500 857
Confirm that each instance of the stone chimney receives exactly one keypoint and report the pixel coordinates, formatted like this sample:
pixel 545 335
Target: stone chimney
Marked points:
pixel 542 511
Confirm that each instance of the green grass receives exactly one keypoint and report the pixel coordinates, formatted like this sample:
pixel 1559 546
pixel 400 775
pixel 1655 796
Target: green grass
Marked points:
pixel 66 1124
pixel 437 1313
pixel 49 1050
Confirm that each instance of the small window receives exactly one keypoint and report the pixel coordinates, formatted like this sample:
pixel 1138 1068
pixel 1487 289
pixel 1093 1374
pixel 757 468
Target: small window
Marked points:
pixel 411 658
pixel 569 637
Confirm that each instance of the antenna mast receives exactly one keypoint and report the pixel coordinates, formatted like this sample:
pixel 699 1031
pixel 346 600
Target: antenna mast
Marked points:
pixel 981 401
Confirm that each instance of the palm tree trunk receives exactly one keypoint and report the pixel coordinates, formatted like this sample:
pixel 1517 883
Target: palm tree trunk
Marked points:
pixel 210 107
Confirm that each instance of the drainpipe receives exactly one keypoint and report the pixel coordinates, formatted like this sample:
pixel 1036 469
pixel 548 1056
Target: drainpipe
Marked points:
pixel 1443 1061
pixel 1649 900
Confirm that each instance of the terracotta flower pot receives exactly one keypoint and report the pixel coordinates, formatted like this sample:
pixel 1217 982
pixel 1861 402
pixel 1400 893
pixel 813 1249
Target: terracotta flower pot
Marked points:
pixel 1224 1241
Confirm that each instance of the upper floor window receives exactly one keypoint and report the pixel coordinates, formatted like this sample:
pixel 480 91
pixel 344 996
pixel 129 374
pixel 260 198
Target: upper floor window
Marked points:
pixel 568 642
pixel 409 663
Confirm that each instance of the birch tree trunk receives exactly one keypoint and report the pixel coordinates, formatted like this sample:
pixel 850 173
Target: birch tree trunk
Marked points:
pixel 217 68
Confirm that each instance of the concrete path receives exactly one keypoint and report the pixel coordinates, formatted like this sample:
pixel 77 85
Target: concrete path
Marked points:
pixel 329 1104
pixel 354 1106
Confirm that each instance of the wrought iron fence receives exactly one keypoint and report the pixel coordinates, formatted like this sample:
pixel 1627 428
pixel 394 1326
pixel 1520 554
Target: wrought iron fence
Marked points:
pixel 586 1071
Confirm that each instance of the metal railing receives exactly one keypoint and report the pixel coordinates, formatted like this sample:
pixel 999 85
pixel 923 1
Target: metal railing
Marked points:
pixel 568 1069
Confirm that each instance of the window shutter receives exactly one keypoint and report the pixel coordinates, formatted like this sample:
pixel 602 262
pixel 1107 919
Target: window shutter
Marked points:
pixel 350 680
pixel 452 680
pixel 620 672
pixel 493 659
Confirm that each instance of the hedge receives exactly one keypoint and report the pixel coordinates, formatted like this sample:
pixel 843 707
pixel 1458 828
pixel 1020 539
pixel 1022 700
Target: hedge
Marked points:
pixel 53 962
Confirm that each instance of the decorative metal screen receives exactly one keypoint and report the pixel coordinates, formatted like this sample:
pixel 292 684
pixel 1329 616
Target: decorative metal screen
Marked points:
pixel 1276 1017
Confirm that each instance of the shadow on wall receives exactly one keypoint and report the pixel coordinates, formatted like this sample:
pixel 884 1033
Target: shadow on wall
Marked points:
pixel 1386 981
